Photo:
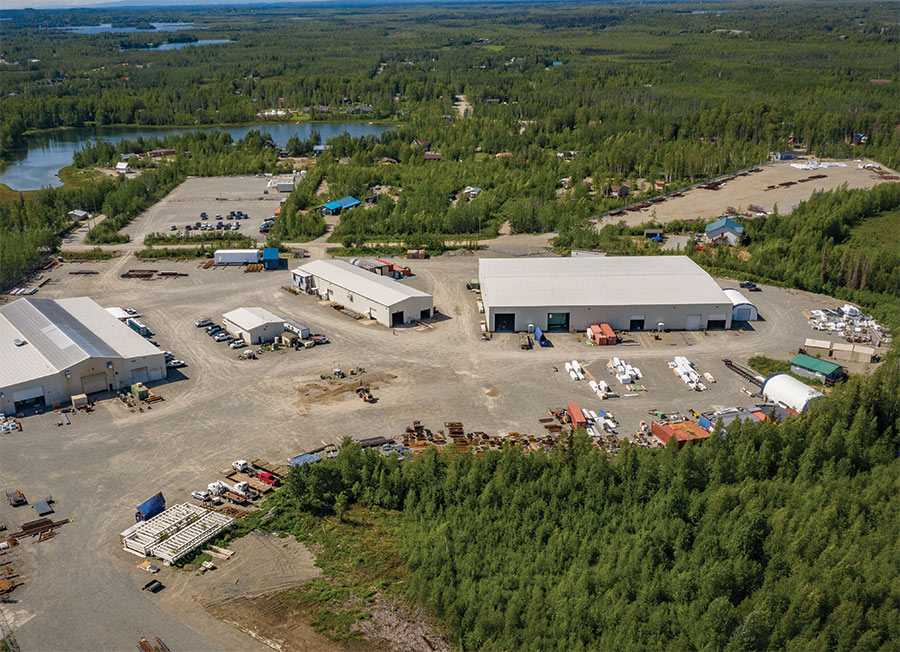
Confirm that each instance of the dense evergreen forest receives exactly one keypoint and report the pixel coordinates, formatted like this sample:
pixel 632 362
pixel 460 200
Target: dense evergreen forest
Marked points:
pixel 772 536
pixel 573 98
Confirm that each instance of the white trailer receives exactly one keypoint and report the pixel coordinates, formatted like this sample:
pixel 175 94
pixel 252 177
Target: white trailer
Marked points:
pixel 236 256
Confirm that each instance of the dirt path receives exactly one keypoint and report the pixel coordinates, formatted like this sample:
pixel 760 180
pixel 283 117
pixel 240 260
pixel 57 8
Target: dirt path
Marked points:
pixel 462 106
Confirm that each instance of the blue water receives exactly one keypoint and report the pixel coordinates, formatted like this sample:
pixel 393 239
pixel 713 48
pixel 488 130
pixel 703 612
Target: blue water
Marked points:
pixel 108 28
pixel 37 165
pixel 178 46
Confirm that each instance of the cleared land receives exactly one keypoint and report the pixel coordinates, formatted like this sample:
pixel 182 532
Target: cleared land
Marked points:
pixel 220 408
pixel 752 189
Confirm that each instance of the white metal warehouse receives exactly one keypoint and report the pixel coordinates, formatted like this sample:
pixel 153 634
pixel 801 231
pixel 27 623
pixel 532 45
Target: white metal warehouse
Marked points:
pixel 629 293
pixel 383 299
pixel 51 350
pixel 253 325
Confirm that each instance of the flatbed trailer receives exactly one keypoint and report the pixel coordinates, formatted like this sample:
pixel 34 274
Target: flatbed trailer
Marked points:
pixel 255 484
pixel 275 469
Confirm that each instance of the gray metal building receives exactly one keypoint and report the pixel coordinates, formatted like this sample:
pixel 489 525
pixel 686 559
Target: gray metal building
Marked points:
pixel 254 325
pixel 630 293
pixel 51 350
pixel 383 299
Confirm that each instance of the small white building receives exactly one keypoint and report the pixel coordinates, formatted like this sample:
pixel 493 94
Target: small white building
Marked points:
pixel 51 350
pixel 389 302
pixel 742 308
pixel 283 182
pixel 122 167
pixel 77 215
pixel 787 390
pixel 253 325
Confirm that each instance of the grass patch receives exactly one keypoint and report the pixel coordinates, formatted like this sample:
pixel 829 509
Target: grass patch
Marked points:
pixel 94 254
pixel 217 238
pixel 7 193
pixel 186 252
pixel 768 366
pixel 78 178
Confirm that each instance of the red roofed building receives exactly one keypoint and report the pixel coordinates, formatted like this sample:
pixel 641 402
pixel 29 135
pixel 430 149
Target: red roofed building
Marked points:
pixel 683 431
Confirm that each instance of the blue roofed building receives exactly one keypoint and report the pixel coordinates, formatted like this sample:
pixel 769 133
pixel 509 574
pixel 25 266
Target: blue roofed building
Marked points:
pixel 725 231
pixel 339 205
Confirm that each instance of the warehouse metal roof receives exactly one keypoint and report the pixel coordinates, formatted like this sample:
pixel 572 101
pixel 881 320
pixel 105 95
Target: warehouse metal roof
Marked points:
pixel 57 334
pixel 597 281
pixel 814 364
pixel 380 289
pixel 249 318
pixel 737 298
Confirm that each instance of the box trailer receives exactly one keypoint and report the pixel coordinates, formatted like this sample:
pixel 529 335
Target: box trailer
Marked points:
pixel 236 256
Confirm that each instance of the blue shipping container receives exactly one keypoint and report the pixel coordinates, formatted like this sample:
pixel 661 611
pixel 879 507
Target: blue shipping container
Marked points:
pixel 150 508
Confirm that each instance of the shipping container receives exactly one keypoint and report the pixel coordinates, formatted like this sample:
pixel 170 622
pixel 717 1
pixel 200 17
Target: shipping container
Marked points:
pixel 236 256
pixel 576 415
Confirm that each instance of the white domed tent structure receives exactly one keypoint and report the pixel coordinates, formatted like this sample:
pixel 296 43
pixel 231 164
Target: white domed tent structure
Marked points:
pixel 742 309
pixel 787 390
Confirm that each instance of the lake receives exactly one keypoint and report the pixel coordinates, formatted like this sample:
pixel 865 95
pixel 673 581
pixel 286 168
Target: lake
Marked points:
pixel 108 28
pixel 45 154
pixel 178 46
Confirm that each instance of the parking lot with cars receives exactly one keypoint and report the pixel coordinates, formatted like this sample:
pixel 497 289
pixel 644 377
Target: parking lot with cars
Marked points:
pixel 242 204
pixel 224 407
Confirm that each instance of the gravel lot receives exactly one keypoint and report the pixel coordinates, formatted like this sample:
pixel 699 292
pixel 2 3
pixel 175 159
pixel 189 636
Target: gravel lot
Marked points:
pixel 743 191
pixel 82 590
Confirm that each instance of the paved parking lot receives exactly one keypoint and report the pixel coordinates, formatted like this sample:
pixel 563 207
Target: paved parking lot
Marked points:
pixel 82 589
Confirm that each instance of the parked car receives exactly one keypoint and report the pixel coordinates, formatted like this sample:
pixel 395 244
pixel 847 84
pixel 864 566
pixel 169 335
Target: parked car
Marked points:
pixel 173 228
pixel 168 356
pixel 212 327
pixel 216 331
pixel 154 586
pixel 147 566
pixel 221 337
pixel 237 344
pixel 320 339
pixel 200 495
pixel 204 216
pixel 200 323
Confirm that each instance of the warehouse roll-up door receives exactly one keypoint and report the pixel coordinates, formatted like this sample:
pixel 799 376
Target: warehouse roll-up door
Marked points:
pixel 25 394
pixel 140 375
pixel 93 383
pixel 693 323
pixel 504 322
pixel 558 322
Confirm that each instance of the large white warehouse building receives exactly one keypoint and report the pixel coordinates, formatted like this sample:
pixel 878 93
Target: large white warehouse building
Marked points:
pixel 630 293
pixel 51 350
pixel 383 299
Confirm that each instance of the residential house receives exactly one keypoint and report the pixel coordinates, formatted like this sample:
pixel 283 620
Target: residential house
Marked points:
pixel 122 167
pixel 420 142
pixel 77 215
pixel 433 156
pixel 725 231
pixel 619 191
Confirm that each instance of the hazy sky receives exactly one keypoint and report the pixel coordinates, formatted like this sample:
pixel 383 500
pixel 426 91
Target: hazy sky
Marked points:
pixel 38 4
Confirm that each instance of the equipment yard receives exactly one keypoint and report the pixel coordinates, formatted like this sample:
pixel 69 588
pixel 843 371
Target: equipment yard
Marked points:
pixel 772 184
pixel 221 408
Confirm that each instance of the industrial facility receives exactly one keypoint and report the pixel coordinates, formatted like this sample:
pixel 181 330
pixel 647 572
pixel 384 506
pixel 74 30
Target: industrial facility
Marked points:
pixel 787 390
pixel 383 299
pixel 630 293
pixel 253 325
pixel 52 350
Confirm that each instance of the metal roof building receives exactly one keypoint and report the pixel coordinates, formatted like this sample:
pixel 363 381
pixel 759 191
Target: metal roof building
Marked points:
pixel 51 350
pixel 383 299
pixel 343 204
pixel 810 367
pixel 253 325
pixel 629 293
pixel 742 308
pixel 789 391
